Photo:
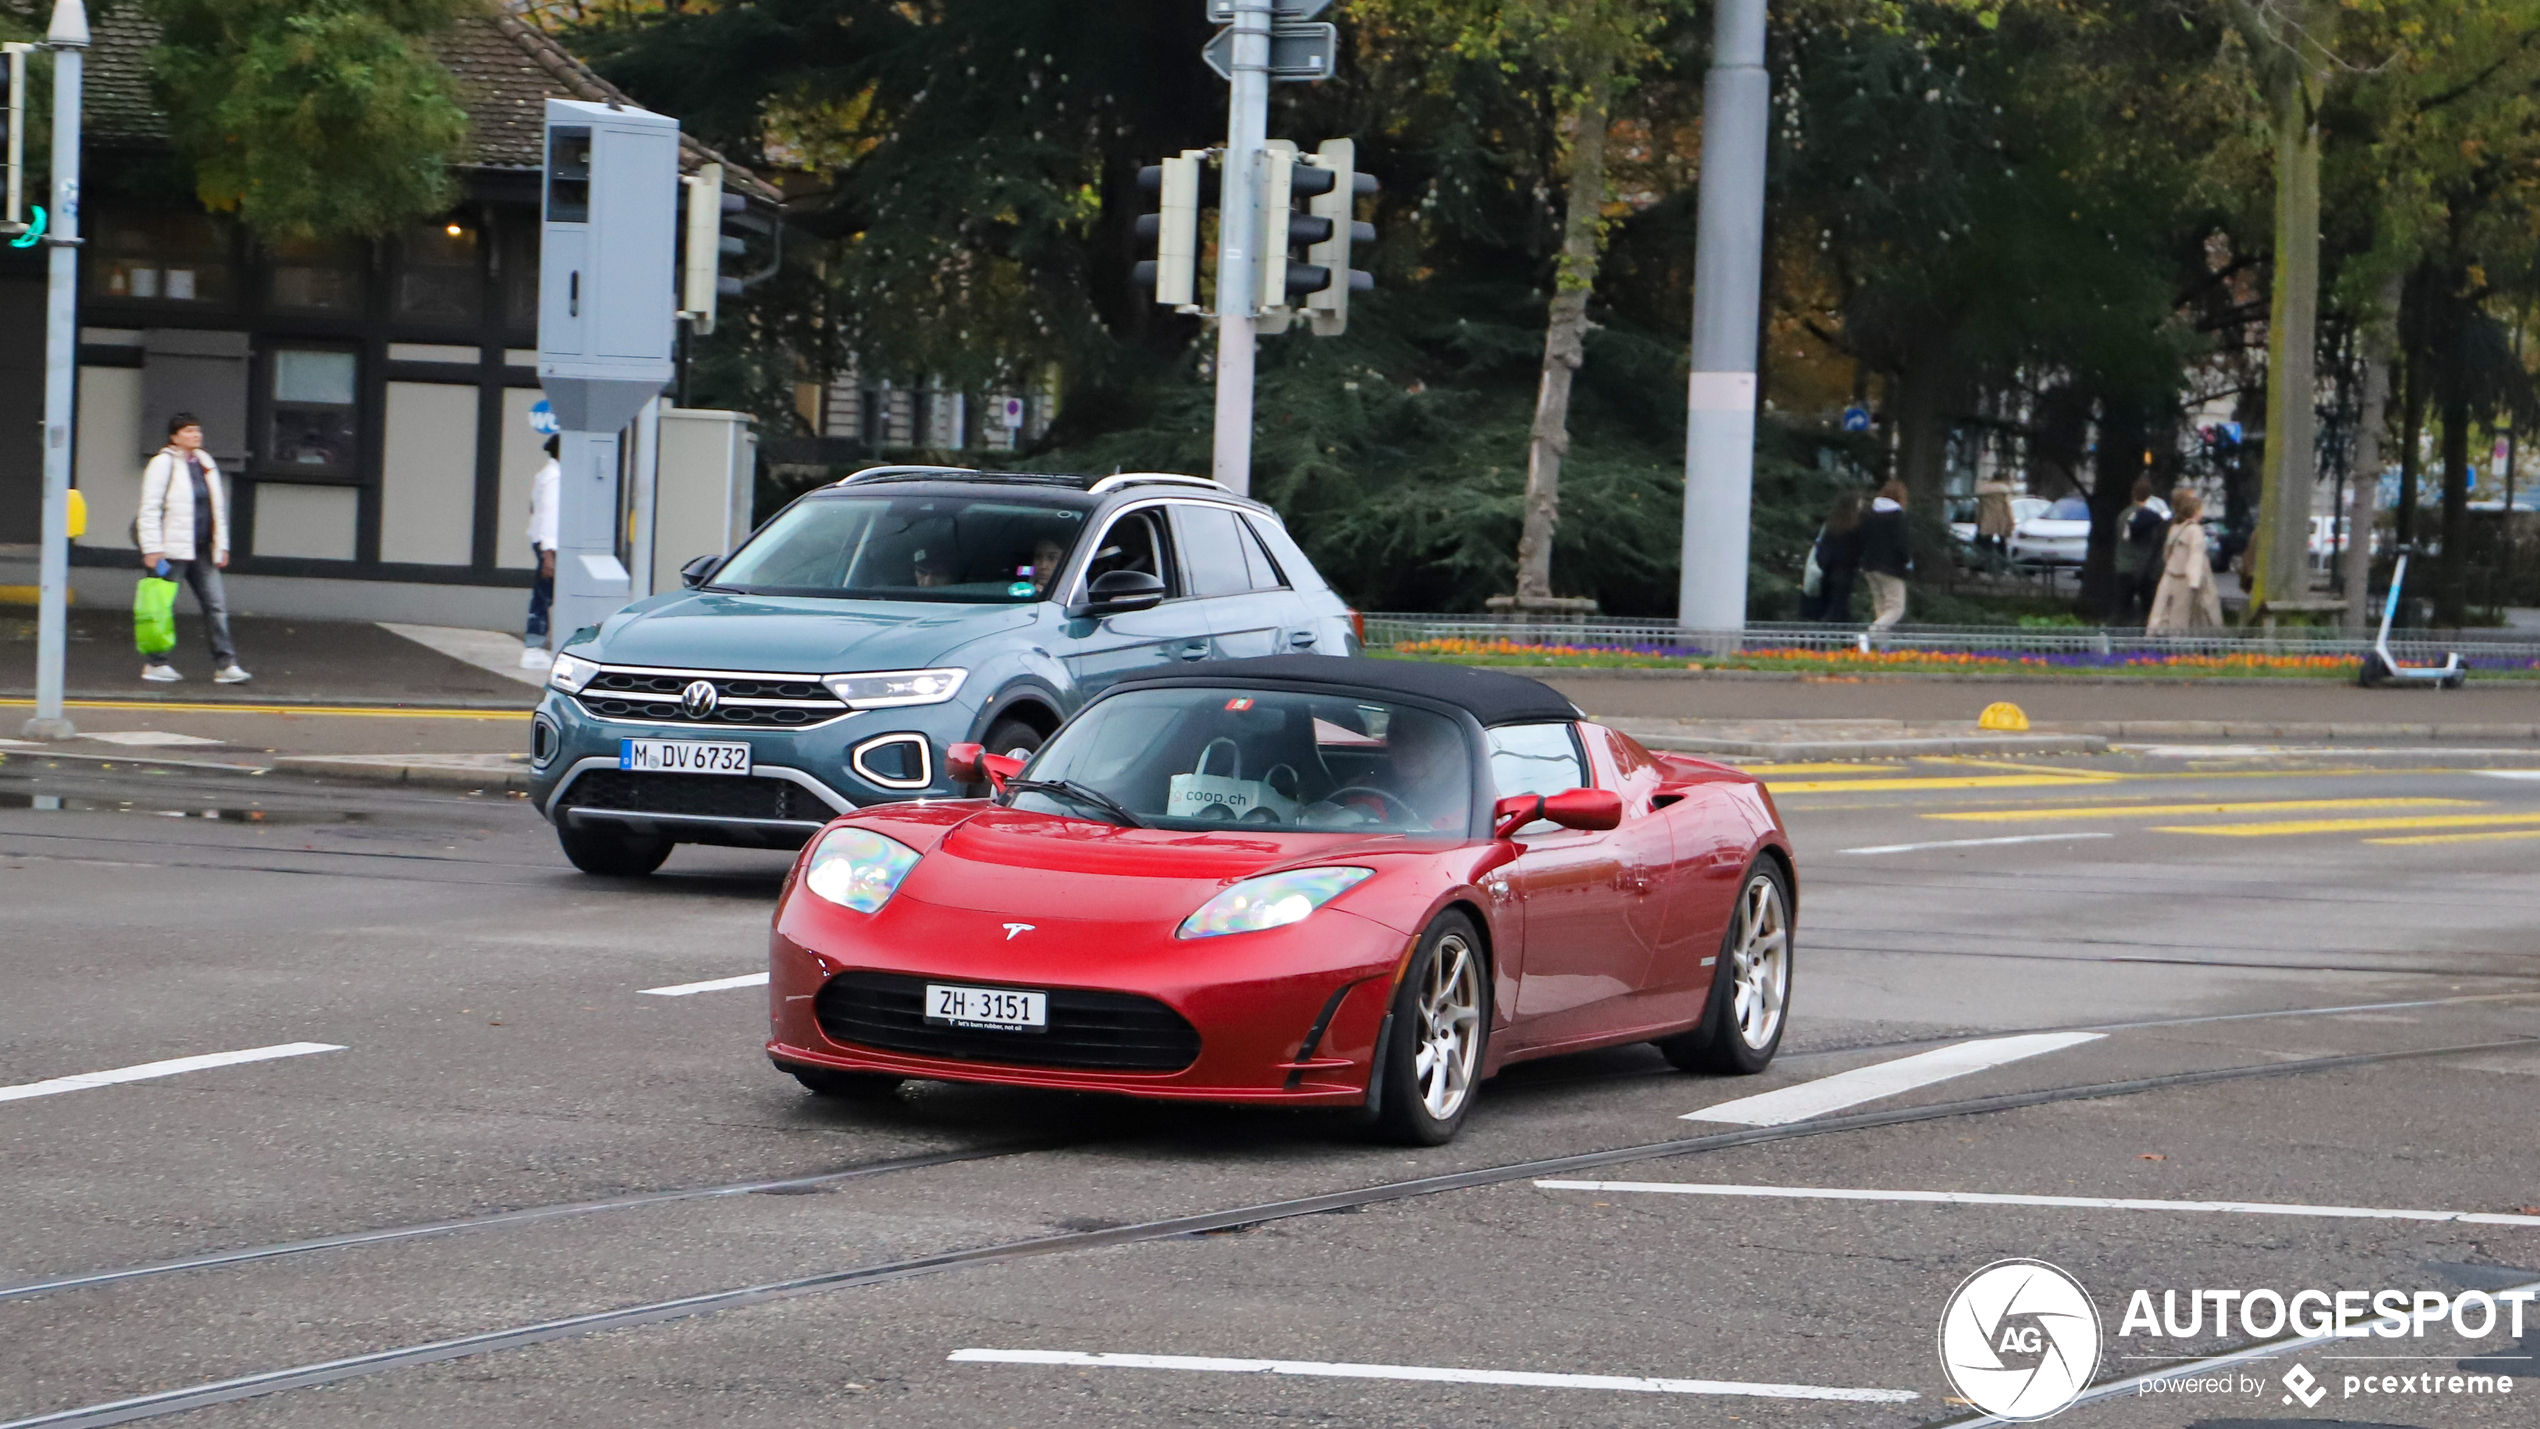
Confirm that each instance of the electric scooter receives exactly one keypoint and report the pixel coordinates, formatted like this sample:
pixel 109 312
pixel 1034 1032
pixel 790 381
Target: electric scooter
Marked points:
pixel 2380 667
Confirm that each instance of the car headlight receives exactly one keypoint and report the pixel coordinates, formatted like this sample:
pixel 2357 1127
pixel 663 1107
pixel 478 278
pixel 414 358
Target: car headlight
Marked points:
pixel 858 868
pixel 1271 901
pixel 571 672
pixel 891 689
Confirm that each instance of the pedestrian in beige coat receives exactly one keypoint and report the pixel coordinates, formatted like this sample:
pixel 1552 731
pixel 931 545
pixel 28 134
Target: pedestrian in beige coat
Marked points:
pixel 2187 597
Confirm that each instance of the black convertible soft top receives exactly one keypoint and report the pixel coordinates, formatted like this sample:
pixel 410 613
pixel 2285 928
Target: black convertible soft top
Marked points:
pixel 1489 696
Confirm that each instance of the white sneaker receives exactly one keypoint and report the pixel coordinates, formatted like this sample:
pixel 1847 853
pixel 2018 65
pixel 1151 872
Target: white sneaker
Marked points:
pixel 537 657
pixel 160 674
pixel 232 675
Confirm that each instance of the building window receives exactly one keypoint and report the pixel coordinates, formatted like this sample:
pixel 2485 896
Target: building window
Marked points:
pixel 308 276
pixel 441 277
pixel 163 256
pixel 313 412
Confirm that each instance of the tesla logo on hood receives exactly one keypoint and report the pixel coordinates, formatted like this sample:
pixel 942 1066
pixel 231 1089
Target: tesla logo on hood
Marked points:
pixel 1013 930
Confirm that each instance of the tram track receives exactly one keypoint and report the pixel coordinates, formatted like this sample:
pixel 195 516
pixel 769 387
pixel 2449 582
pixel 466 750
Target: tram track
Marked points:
pixel 199 1396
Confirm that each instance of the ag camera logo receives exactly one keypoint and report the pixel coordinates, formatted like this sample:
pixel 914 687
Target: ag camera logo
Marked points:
pixel 2020 1340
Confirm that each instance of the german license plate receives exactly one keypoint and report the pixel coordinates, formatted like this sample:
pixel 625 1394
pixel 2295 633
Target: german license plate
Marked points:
pixel 682 756
pixel 988 1008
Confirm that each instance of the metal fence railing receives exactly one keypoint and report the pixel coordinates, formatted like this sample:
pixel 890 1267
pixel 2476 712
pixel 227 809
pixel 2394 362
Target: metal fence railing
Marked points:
pixel 2061 644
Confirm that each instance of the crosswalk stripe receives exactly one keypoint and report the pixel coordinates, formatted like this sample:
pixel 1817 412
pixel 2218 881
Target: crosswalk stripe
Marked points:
pixel 169 1068
pixel 2498 836
pixel 2267 806
pixel 1886 1079
pixel 1428 1374
pixel 720 984
pixel 2085 1203
pixel 2350 826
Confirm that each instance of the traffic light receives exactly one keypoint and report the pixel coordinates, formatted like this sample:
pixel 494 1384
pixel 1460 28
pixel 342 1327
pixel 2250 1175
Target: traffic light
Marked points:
pixel 718 226
pixel 13 222
pixel 1283 178
pixel 1180 185
pixel 1328 305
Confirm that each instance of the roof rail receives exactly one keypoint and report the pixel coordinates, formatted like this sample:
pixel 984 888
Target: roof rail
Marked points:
pixel 872 472
pixel 1141 478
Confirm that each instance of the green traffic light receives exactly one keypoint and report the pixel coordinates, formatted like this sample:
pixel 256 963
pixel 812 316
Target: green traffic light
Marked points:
pixel 35 231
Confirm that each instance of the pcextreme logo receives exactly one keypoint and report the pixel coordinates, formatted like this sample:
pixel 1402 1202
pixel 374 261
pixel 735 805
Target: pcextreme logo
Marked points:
pixel 2020 1340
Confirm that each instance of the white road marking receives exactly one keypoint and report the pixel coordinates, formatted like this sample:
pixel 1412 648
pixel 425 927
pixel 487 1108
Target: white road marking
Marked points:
pixel 169 1068
pixel 690 989
pixel 1974 843
pixel 2509 773
pixel 146 738
pixel 1886 1079
pixel 2091 1203
pixel 1528 1378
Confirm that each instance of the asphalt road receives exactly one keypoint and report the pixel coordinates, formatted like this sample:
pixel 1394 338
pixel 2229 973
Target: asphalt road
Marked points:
pixel 2287 982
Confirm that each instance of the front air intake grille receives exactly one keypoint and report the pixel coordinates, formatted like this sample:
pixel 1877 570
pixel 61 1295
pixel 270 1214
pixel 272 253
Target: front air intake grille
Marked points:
pixel 697 796
pixel 741 701
pixel 1089 1031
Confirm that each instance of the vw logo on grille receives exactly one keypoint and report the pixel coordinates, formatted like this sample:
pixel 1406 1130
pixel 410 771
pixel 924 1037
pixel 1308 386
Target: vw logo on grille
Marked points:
pixel 698 700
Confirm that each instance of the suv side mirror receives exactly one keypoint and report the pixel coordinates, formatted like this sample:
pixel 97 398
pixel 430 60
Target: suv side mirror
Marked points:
pixel 1571 809
pixel 693 574
pixel 1116 591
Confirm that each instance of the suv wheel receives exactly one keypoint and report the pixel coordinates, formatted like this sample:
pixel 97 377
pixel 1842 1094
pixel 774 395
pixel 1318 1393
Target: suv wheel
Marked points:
pixel 1012 737
pixel 612 855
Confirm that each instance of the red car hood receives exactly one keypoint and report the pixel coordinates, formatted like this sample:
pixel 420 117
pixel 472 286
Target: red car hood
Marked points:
pixel 1015 861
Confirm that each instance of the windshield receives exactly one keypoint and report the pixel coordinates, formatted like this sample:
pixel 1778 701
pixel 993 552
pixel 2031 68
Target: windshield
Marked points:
pixel 948 548
pixel 2071 508
pixel 1205 758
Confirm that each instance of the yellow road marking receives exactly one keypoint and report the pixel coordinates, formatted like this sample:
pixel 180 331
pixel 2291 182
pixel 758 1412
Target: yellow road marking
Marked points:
pixel 2350 826
pixel 1972 761
pixel 2103 810
pixel 2461 838
pixel 354 711
pixel 1767 770
pixel 1972 781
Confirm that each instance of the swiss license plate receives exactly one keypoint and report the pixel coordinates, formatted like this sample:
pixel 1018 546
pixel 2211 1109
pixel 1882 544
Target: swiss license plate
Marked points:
pixel 995 1008
pixel 682 756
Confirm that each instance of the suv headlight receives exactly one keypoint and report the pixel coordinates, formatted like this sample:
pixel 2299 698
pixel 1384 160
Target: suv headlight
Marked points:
pixel 571 672
pixel 858 868
pixel 1273 900
pixel 890 689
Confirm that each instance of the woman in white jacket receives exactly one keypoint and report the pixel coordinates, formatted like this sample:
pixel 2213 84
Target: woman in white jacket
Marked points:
pixel 183 532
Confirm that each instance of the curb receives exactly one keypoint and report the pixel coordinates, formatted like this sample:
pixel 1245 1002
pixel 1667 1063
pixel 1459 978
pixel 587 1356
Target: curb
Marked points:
pixel 153 761
pixel 501 771
pixel 1946 677
pixel 1881 748
pixel 2258 729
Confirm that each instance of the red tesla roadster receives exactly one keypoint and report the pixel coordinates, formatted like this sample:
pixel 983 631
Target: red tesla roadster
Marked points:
pixel 1297 880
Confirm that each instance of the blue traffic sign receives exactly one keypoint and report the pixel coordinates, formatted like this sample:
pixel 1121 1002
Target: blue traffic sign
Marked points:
pixel 1856 419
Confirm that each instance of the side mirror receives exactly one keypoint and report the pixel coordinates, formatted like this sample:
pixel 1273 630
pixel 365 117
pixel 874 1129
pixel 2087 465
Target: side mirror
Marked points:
pixel 1116 591
pixel 1571 809
pixel 693 574
pixel 973 764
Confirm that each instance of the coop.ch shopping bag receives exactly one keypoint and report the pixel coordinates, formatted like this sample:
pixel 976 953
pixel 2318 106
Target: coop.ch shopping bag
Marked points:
pixel 1202 795
pixel 154 616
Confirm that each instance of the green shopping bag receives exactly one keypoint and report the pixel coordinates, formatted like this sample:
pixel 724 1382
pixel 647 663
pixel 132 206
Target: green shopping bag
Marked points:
pixel 154 616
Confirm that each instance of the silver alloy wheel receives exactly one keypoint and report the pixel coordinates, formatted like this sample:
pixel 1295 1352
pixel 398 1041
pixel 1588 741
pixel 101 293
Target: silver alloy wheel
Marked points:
pixel 1450 1027
pixel 1759 967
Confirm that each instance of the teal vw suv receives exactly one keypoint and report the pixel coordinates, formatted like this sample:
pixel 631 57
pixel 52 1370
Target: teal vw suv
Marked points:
pixel 829 662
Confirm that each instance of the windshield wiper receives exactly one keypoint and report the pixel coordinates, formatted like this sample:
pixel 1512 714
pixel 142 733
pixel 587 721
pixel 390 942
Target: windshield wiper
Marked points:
pixel 1070 789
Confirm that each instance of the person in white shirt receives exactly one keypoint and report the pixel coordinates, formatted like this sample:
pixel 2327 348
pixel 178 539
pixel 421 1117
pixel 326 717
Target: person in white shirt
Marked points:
pixel 183 532
pixel 542 541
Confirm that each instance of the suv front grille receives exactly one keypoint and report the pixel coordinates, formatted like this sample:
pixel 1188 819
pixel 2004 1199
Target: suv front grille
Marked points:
pixel 741 701
pixel 697 796
pixel 1092 1031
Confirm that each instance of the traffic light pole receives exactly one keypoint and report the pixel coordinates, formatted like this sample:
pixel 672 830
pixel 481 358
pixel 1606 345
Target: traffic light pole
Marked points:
pixel 1239 243
pixel 66 38
pixel 1728 269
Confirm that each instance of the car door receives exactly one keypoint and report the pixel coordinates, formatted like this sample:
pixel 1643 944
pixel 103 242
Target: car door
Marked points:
pixel 1711 833
pixel 1644 842
pixel 1101 649
pixel 1233 580
pixel 1582 957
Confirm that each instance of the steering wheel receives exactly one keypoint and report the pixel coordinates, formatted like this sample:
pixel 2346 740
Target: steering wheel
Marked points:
pixel 1383 799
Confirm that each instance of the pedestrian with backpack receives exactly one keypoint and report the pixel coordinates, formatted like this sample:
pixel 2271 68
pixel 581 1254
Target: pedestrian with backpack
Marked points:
pixel 2141 528
pixel 183 532
pixel 1886 554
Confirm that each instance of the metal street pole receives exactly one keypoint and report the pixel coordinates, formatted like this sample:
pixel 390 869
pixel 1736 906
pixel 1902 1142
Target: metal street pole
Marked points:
pixel 1728 271
pixel 66 38
pixel 1239 242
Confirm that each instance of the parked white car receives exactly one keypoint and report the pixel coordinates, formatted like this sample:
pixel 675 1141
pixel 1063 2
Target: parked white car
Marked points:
pixel 2022 508
pixel 2057 536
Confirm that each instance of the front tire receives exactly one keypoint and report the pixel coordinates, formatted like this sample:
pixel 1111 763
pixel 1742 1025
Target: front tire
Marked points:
pixel 1742 1021
pixel 612 855
pixel 1013 738
pixel 1432 1059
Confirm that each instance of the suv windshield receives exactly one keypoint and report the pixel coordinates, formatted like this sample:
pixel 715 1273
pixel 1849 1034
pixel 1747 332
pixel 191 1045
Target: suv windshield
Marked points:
pixel 909 547
pixel 1203 758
